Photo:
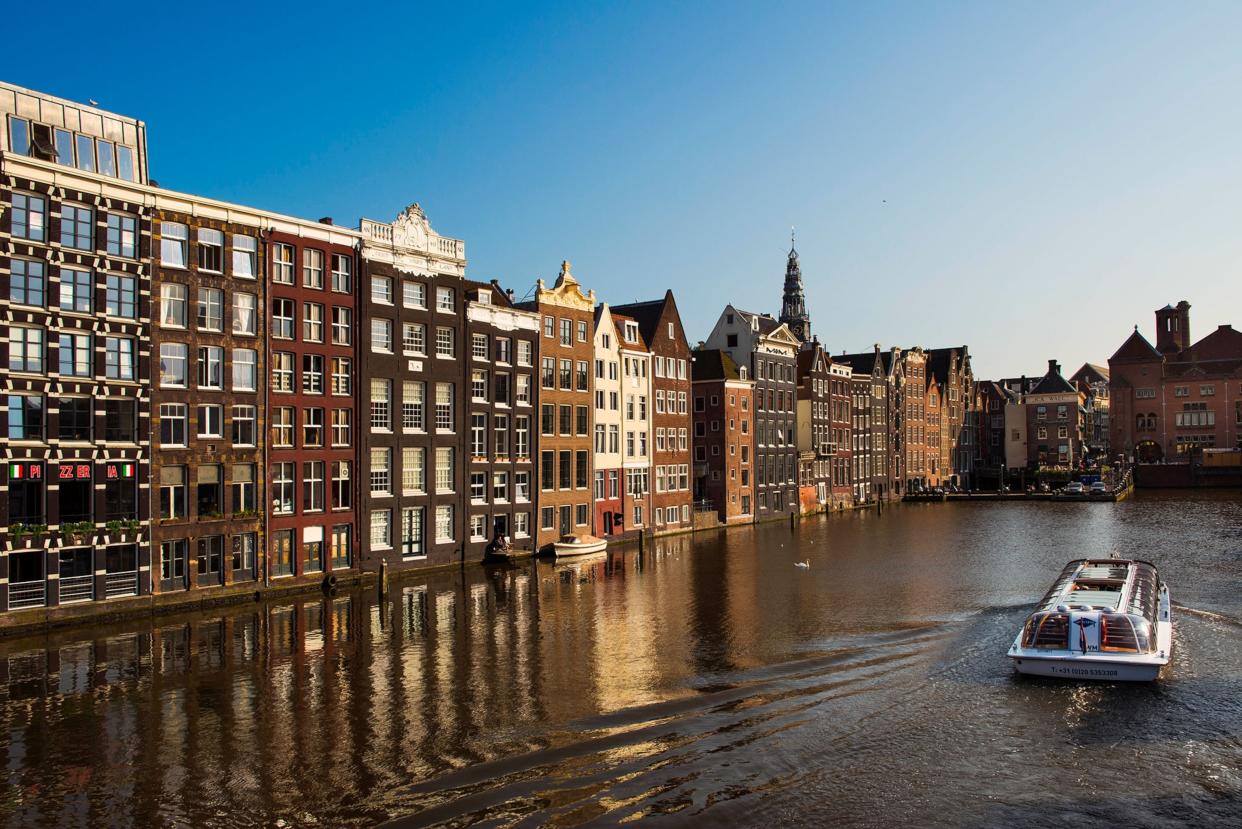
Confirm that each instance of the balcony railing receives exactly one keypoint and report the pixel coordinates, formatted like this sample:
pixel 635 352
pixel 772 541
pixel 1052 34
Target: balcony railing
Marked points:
pixel 124 583
pixel 77 589
pixel 27 594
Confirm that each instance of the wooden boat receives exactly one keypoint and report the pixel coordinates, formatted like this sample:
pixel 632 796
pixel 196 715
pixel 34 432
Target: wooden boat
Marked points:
pixel 577 545
pixel 1106 619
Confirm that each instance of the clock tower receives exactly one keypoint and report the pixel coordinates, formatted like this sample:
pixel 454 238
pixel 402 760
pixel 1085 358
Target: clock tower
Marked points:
pixel 793 306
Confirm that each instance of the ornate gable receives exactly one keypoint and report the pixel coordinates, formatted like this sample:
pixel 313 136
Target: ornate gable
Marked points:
pixel 566 292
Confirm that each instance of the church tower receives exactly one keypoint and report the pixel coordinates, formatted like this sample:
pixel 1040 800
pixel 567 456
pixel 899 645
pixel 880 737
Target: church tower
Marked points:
pixel 793 306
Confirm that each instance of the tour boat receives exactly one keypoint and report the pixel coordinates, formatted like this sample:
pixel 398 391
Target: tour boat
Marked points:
pixel 1107 619
pixel 577 545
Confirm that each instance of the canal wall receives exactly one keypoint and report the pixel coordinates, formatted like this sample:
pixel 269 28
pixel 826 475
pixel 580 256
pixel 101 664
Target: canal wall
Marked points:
pixel 1187 476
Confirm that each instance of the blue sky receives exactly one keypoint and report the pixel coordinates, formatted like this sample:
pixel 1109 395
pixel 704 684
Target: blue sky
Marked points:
pixel 1030 179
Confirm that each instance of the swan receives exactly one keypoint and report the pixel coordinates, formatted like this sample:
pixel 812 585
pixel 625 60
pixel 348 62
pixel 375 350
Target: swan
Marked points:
pixel 803 564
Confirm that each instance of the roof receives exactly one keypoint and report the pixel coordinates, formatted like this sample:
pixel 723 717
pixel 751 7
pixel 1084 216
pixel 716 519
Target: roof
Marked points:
pixel 940 359
pixel 647 314
pixel 1091 373
pixel 619 320
pixel 713 364
pixel 1136 348
pixel 806 356
pixel 499 297
pixel 1053 383
pixel 1222 344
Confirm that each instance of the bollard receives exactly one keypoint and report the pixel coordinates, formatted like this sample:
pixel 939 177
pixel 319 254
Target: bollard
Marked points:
pixel 383 579
pixel 791 520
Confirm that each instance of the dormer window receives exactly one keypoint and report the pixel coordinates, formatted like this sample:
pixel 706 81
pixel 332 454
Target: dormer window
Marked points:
pixel 485 297
pixel 631 332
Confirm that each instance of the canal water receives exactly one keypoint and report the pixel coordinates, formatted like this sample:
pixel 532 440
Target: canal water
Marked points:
pixel 707 682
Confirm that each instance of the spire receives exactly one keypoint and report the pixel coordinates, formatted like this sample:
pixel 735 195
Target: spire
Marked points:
pixel 793 304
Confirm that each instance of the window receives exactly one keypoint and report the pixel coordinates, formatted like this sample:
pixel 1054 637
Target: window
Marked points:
pixel 342 325
pixel 75 355
pixel 567 371
pixel 478 346
pixel 413 473
pixel 478 487
pixel 503 350
pixel 85 152
pixel 444 406
pixel 312 269
pixel 77 415
pixel 381 335
pixel 210 367
pixel 282 488
pixel 342 376
pixel 412 532
pixel 173 424
pixel 29 217
pixel 245 314
pixel 245 256
pixel 381 472
pixel 27 282
pixel 312 373
pixel 174 239
pixel 444 469
pixel 312 486
pixel 478 528
pixel 172 492
pixel 413 294
pixel 121 298
pixel 521 437
pixel 521 486
pixel 282 371
pixel 342 273
pixel 500 486
pixel 245 545
pixel 413 338
pixel 119 358
pixel 77 290
pixel 444 523
pixel 500 427
pixel 567 332
pixel 242 488
pixel 381 414
pixel 312 322
pixel 342 427
pixel 282 263
pixel 381 290
pixel 582 331
pixel 244 425
pixel 523 389
pixel 282 426
pixel 581 376
pixel 77 227
pixel 25 417
pixel 120 421
pixel 210 250
pixel 580 514
pixel 445 342
pixel 445 299
pixel 413 405
pixel 478 435
pixel 342 488
pixel 245 369
pixel 525 352
pixel 172 305
pixel 381 529
pixel 312 426
pixel 478 385
pixel 547 374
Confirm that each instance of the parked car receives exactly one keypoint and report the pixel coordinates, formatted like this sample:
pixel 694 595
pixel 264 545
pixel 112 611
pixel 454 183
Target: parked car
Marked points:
pixel 1073 488
pixel 1098 488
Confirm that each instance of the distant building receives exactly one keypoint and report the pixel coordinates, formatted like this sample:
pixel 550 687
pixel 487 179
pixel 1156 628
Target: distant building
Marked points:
pixel 1047 424
pixel 861 453
pixel 608 476
pixel 769 350
pixel 723 438
pixel 1175 397
pixel 816 449
pixel 793 301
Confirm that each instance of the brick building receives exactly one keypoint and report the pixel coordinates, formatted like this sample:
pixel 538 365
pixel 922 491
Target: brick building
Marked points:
pixel 659 325
pixel 210 331
pixel 312 318
pixel 500 412
pixel 75 246
pixel 912 402
pixel 878 366
pixel 566 352
pixel 1169 400
pixel 862 461
pixel 723 441
pixel 768 349
pixel 413 356
pixel 816 451
pixel 950 369
pixel 637 431
pixel 840 412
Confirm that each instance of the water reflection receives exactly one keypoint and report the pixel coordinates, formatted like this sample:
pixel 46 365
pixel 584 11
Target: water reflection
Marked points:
pixel 704 676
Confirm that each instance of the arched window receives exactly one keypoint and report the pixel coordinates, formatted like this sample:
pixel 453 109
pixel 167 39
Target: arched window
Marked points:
pixel 1140 422
pixel 1151 421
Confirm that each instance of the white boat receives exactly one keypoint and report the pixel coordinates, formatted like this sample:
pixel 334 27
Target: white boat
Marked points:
pixel 1107 619
pixel 578 545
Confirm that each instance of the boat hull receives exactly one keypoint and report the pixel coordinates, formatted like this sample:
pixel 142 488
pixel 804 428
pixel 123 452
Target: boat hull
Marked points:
pixel 1079 668
pixel 570 550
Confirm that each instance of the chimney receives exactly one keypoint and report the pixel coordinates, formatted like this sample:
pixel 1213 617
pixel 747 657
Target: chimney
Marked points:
pixel 1054 367
pixel 326 220
pixel 1173 328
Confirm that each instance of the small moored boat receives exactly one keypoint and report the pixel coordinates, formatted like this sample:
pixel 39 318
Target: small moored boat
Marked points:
pixel 1106 619
pixel 577 545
